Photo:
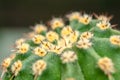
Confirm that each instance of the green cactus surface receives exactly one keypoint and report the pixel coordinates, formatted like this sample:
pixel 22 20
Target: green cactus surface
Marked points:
pixel 81 48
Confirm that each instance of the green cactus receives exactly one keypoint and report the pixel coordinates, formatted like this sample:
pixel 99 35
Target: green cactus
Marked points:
pixel 83 49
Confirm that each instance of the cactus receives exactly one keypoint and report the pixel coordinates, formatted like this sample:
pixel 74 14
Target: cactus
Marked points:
pixel 82 48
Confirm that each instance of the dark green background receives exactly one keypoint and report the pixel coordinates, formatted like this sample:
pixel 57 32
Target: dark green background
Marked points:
pixel 17 15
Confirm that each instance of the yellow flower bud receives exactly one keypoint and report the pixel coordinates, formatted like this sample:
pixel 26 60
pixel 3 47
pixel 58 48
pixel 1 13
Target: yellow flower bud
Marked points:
pixel 37 39
pixel 39 28
pixel 68 56
pixel 85 19
pixel 115 39
pixel 74 16
pixel 19 41
pixel 16 67
pixel 6 63
pixel 86 35
pixel 66 31
pixel 103 25
pixel 40 51
pixel 84 43
pixel 23 48
pixel 52 36
pixel 106 65
pixel 38 67
pixel 56 22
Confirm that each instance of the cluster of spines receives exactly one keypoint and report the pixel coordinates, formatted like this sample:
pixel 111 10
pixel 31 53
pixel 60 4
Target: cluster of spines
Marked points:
pixel 58 43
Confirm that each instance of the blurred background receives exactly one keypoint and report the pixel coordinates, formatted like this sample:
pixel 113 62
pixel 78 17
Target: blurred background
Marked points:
pixel 16 16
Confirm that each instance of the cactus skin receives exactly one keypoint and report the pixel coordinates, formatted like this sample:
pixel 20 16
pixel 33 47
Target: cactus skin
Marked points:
pixel 89 49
